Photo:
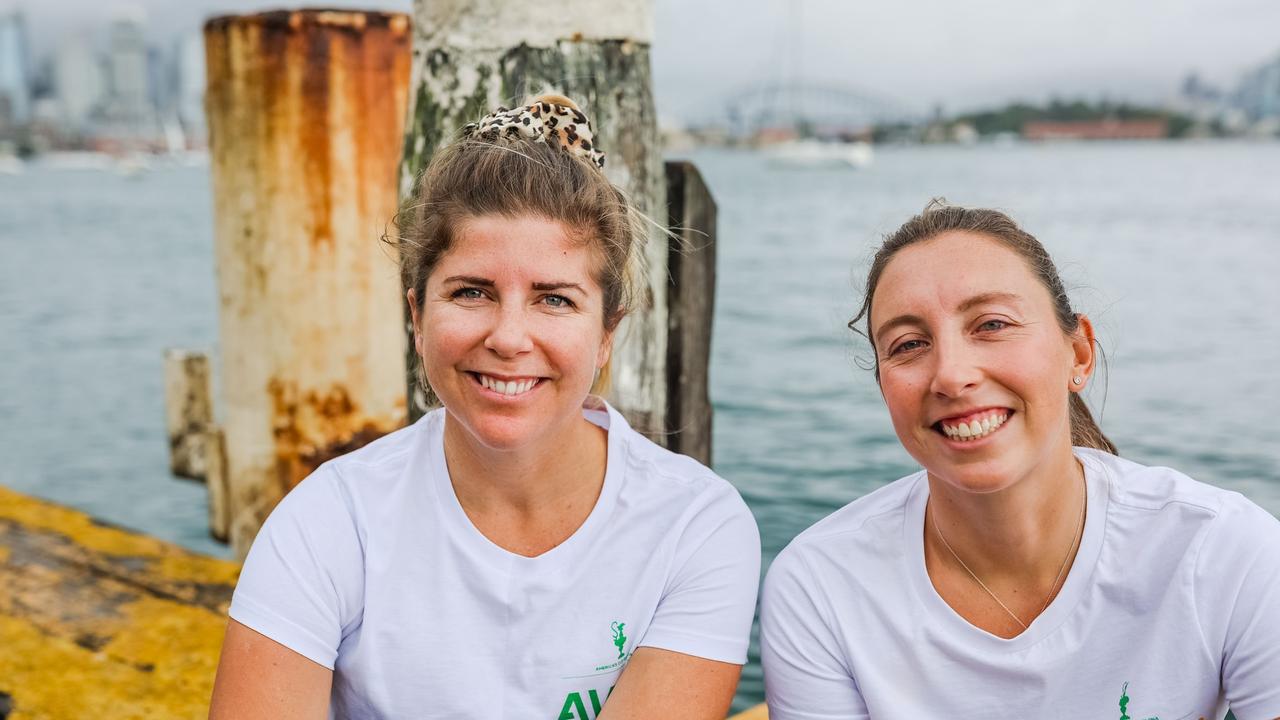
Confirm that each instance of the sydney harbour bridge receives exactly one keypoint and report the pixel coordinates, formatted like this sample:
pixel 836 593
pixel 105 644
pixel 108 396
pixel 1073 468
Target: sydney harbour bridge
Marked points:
pixel 813 107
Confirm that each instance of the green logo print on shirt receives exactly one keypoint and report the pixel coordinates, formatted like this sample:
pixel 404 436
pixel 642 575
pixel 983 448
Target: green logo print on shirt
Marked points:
pixel 1124 705
pixel 619 639
pixel 574 709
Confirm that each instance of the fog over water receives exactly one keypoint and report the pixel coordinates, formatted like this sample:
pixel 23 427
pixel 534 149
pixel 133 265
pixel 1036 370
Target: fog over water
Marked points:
pixel 917 52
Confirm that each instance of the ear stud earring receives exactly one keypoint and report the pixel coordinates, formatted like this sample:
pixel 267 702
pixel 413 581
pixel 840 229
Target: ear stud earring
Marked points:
pixel 1077 380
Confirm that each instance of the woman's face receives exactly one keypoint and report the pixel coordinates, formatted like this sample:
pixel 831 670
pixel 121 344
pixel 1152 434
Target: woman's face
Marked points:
pixel 511 329
pixel 974 368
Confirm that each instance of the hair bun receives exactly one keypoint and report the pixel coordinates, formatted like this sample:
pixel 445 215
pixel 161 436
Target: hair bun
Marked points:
pixel 548 118
pixel 555 99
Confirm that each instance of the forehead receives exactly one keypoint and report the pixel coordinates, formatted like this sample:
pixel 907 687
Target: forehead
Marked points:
pixel 523 245
pixel 942 272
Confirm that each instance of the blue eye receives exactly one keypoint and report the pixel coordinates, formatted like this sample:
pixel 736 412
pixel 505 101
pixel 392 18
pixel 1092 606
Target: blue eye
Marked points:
pixel 468 293
pixel 993 325
pixel 557 301
pixel 906 346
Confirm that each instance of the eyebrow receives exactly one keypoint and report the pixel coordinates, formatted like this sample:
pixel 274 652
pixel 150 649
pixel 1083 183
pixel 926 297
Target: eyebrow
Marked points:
pixel 987 298
pixel 539 286
pixel 969 304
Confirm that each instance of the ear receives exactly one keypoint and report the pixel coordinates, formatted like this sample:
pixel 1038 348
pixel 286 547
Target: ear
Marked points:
pixel 1084 353
pixel 411 296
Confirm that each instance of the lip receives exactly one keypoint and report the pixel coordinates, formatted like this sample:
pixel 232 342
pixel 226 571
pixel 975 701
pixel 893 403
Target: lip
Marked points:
pixel 968 412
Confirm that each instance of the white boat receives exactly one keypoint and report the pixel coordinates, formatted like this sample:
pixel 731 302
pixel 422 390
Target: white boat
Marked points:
pixel 820 154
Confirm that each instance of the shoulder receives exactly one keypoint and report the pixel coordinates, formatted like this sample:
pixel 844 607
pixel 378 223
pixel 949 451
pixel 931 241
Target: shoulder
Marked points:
pixel 1152 487
pixel 868 533
pixel 655 475
pixel 1150 490
pixel 862 523
pixel 346 487
pixel 391 453
pixel 1221 530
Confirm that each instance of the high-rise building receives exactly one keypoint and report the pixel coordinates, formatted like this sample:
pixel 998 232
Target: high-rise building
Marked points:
pixel 15 70
pixel 128 100
pixel 1258 94
pixel 78 84
pixel 189 86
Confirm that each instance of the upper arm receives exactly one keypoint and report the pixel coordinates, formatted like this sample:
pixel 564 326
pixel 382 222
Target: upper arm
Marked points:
pixel 300 591
pixel 1238 584
pixel 260 678
pixel 666 684
pixel 710 598
pixel 805 674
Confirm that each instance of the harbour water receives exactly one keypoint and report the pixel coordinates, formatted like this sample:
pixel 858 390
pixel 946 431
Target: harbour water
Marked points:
pixel 1172 248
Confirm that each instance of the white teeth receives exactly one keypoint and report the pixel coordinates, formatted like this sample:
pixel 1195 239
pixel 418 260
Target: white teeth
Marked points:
pixel 507 387
pixel 974 429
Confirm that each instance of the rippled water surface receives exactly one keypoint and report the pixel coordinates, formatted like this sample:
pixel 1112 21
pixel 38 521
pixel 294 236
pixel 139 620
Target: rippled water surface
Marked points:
pixel 1173 249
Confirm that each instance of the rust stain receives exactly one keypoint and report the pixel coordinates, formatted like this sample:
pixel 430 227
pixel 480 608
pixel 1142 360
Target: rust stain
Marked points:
pixel 312 427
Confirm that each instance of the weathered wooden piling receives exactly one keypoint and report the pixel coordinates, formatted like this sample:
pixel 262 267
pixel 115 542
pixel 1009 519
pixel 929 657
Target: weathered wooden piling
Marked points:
pixel 96 621
pixel 473 55
pixel 306 113
pixel 691 273
pixel 188 410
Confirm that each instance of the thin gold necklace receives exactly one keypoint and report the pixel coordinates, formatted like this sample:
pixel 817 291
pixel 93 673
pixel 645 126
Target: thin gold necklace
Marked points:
pixel 1052 588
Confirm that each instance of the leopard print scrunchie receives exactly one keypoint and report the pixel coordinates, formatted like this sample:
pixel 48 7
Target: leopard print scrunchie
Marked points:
pixel 550 117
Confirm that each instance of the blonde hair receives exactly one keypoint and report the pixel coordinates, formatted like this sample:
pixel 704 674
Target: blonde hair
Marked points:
pixel 515 175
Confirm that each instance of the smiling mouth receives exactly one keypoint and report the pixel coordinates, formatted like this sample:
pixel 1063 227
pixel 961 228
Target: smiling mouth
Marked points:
pixel 510 388
pixel 973 427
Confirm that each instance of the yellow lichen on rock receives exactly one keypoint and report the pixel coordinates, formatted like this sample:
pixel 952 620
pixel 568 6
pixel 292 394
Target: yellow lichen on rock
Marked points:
pixel 97 620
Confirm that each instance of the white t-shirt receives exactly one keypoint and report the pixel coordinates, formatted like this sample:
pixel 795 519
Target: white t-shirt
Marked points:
pixel 372 568
pixel 1171 610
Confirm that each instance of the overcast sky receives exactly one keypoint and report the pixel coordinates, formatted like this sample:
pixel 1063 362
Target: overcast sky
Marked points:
pixel 960 53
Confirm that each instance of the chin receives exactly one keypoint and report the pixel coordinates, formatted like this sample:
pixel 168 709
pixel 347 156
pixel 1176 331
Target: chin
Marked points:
pixel 500 433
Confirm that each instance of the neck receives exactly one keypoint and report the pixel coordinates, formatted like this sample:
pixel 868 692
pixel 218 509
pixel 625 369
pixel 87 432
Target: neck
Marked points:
pixel 1021 533
pixel 549 475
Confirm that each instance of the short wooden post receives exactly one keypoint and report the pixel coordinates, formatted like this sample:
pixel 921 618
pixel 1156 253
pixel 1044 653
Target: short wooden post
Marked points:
pixel 188 411
pixel 473 55
pixel 305 112
pixel 691 215
pixel 217 484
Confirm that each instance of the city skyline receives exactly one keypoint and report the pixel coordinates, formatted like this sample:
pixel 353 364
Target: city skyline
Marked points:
pixel 921 53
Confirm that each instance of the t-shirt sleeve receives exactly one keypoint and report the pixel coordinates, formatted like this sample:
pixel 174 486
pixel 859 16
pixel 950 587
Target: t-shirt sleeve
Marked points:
pixel 708 605
pixel 1238 597
pixel 302 583
pixel 806 676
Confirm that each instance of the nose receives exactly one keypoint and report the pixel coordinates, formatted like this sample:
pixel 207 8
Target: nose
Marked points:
pixel 509 334
pixel 956 370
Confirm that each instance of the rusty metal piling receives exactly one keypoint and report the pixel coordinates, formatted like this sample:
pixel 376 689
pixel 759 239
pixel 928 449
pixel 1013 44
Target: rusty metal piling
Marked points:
pixel 306 113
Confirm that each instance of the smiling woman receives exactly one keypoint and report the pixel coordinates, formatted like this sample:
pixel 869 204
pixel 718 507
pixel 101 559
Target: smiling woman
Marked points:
pixel 520 552
pixel 1027 569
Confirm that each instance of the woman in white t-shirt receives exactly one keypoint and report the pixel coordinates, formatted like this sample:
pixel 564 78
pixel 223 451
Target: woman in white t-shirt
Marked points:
pixel 1027 571
pixel 520 552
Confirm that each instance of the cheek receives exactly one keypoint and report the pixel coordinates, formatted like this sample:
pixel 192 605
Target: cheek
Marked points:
pixel 901 393
pixel 446 334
